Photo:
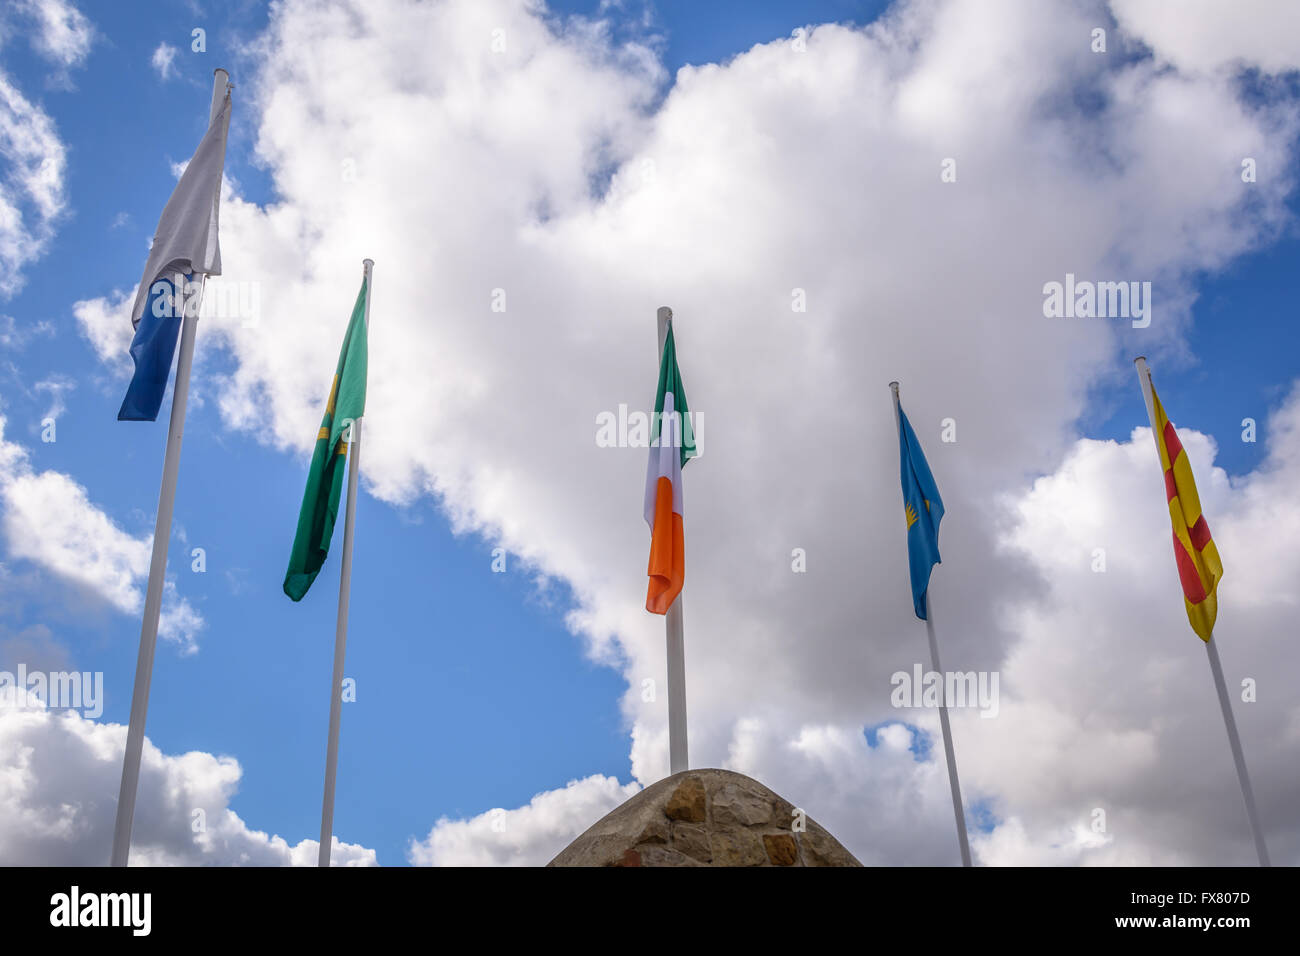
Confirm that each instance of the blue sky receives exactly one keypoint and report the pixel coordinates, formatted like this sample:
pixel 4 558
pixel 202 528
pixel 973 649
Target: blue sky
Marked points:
pixel 474 693
pixel 262 696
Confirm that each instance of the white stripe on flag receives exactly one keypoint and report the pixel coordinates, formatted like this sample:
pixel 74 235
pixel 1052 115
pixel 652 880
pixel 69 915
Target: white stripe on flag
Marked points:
pixel 665 461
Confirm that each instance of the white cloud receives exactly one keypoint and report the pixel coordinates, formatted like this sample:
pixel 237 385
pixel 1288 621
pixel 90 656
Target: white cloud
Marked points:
pixel 528 836
pixel 33 194
pixel 62 33
pixel 163 60
pixel 782 170
pixel 106 324
pixel 1108 696
pixel 1200 35
pixel 32 189
pixel 883 803
pixel 49 519
pixel 59 776
pixel 1108 748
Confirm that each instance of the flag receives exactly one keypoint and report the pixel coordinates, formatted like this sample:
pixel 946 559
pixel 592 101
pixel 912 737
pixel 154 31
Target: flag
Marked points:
pixel 153 347
pixel 185 244
pixel 1199 567
pixel 320 501
pixel 672 444
pixel 923 509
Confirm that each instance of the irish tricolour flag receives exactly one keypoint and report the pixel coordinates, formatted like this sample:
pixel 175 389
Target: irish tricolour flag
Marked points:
pixel 672 444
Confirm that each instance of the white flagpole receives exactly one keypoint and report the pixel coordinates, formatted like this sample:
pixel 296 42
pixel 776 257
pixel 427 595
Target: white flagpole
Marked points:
pixel 953 783
pixel 1216 668
pixel 1238 757
pixel 677 759
pixel 948 751
pixel 158 562
pixel 341 626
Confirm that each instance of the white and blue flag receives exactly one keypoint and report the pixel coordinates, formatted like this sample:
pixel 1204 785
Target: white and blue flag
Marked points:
pixel 185 245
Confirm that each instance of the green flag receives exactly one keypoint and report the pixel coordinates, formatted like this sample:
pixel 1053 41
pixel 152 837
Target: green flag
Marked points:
pixel 320 502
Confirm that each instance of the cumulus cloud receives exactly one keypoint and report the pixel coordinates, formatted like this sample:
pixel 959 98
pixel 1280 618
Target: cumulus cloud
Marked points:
pixel 59 776
pixel 49 519
pixel 527 836
pixel 1108 747
pixel 1202 35
pixel 588 194
pixel 105 321
pixel 32 187
pixel 1108 696
pixel 883 795
pixel 33 194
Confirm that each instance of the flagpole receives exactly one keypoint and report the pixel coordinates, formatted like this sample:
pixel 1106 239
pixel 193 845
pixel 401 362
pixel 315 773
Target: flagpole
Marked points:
pixel 1238 757
pixel 677 759
pixel 161 538
pixel 949 753
pixel 341 626
pixel 1216 668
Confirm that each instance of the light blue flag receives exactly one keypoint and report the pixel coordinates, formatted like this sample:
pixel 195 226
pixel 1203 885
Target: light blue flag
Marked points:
pixel 924 510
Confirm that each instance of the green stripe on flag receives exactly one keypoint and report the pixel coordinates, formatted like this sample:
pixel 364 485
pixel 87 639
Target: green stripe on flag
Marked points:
pixel 670 380
pixel 320 501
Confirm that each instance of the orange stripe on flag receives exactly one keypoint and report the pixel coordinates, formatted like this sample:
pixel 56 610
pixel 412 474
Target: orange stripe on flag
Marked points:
pixel 667 568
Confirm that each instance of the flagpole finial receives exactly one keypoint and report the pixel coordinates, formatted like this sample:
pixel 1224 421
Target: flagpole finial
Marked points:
pixel 664 315
pixel 893 386
pixel 220 92
pixel 367 277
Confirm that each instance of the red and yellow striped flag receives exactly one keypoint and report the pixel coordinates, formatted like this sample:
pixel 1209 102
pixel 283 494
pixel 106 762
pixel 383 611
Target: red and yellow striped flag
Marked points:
pixel 1199 566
